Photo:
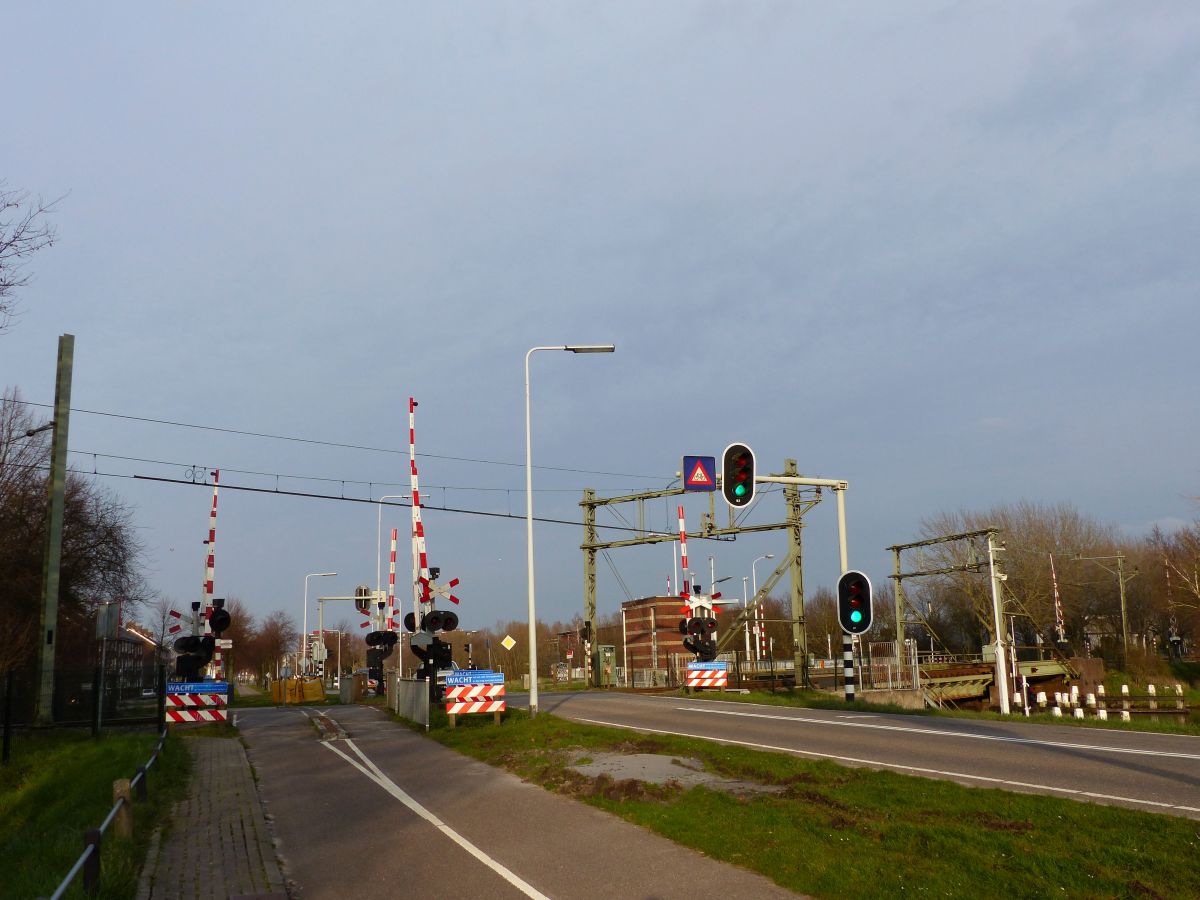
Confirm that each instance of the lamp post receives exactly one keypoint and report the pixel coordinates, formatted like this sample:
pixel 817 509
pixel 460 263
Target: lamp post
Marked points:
pixel 573 348
pixel 304 635
pixel 379 533
pixel 754 589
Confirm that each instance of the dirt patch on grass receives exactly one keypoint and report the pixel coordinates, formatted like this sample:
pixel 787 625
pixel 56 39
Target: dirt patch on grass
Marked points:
pixel 995 823
pixel 658 769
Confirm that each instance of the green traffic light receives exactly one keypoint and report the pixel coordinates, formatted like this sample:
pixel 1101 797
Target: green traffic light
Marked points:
pixel 856 617
pixel 740 491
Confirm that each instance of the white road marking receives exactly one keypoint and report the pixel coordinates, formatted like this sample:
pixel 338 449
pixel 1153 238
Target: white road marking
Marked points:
pixel 938 732
pixel 372 771
pixel 896 766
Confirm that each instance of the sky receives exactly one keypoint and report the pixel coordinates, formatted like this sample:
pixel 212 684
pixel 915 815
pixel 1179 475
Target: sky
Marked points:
pixel 944 251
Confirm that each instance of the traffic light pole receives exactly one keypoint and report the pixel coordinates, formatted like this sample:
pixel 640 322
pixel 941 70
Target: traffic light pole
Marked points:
pixel 848 664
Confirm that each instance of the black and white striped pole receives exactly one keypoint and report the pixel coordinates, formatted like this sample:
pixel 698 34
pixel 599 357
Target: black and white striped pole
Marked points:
pixel 848 664
pixel 854 616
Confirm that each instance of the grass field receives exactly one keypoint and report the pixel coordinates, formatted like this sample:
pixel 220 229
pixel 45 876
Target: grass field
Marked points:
pixel 57 785
pixel 856 833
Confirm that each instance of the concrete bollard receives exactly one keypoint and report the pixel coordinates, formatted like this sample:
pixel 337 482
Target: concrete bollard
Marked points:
pixel 1091 701
pixel 1074 695
pixel 1179 704
pixel 123 823
pixel 1056 711
pixel 1124 715
pixel 1125 697
pixel 1041 699
pixel 1078 712
pixel 1102 714
pixel 1101 698
pixel 1150 690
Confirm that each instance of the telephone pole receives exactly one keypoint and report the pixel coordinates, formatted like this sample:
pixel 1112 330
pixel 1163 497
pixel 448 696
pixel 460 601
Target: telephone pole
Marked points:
pixel 52 561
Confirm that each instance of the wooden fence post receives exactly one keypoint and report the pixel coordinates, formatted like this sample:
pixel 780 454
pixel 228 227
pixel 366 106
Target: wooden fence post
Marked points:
pixel 124 820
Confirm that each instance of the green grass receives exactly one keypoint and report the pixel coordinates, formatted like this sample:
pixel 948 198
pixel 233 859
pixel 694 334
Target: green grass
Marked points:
pixel 59 784
pixel 849 833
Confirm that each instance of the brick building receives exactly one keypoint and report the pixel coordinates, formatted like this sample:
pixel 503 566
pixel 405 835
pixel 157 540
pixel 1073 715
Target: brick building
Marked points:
pixel 652 634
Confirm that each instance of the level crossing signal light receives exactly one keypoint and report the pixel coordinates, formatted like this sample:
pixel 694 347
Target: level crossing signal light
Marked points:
pixel 699 631
pixel 737 475
pixel 854 602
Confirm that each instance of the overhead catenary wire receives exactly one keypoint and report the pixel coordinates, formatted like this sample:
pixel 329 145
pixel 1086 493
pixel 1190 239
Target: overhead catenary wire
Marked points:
pixel 323 443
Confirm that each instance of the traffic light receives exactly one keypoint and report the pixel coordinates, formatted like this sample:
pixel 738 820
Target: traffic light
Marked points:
pixel 585 632
pixel 362 598
pixel 195 652
pixel 384 641
pixel 439 620
pixel 219 619
pixel 699 641
pixel 737 475
pixel 854 602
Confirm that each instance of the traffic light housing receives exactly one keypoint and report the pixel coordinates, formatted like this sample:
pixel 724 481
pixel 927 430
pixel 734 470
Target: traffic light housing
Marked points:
pixel 699 640
pixel 737 475
pixel 362 598
pixel 854 602
pixel 195 652
pixel 439 620
pixel 218 618
pixel 383 641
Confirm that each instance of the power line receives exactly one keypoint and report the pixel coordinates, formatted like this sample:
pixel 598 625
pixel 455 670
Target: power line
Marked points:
pixel 277 475
pixel 300 440
pixel 307 494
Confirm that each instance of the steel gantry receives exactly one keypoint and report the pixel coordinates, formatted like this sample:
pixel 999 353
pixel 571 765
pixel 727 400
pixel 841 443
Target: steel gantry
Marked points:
pixel 796 507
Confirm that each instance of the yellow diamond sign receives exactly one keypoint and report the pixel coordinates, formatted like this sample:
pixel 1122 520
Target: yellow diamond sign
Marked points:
pixel 508 643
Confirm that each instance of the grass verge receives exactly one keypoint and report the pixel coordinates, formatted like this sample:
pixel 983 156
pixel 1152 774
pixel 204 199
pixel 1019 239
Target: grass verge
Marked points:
pixel 850 833
pixel 820 700
pixel 57 785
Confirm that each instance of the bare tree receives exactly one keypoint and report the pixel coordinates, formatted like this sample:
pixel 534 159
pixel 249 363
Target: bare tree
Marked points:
pixel 24 230
pixel 100 550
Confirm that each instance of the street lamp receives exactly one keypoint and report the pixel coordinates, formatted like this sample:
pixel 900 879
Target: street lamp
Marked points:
pixel 754 588
pixel 304 636
pixel 573 348
pixel 379 533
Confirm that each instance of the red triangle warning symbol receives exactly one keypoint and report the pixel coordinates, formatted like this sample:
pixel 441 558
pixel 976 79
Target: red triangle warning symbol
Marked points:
pixel 699 475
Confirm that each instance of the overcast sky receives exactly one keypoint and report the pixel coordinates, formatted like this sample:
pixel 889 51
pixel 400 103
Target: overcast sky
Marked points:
pixel 944 251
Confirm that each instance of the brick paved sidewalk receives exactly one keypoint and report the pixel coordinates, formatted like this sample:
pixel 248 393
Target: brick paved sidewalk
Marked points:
pixel 218 844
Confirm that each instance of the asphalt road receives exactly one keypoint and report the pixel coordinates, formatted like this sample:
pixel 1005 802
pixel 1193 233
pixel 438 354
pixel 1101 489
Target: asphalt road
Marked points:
pixel 362 807
pixel 1141 770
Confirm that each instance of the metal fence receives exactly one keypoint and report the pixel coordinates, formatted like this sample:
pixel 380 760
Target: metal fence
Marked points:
pixel 89 861
pixel 409 698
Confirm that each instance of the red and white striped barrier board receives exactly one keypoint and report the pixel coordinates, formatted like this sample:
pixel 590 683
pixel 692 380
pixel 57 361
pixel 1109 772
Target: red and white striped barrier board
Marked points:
pixel 474 691
pixel 476 706
pixel 196 715
pixel 707 678
pixel 195 699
